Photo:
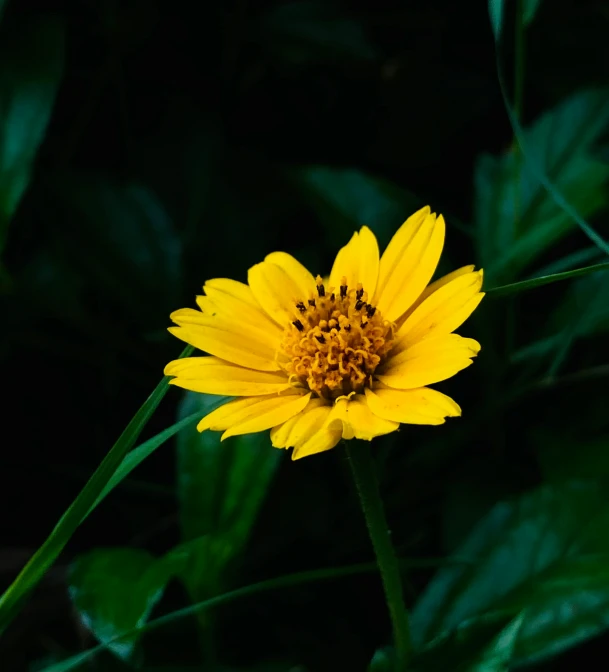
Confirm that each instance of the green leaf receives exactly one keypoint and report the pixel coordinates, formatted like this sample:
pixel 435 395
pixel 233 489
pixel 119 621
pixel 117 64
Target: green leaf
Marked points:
pixel 545 280
pixel 384 660
pixel 477 645
pixel 44 557
pixel 31 65
pixel 312 32
pixel 497 656
pixel 120 240
pixel 139 454
pixel 517 218
pixel 272 584
pixel 221 486
pixel 346 199
pixel 496 12
pixel 541 552
pixel 529 10
pixel 115 590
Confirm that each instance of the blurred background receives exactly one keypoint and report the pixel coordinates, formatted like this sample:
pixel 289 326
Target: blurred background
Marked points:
pixel 146 146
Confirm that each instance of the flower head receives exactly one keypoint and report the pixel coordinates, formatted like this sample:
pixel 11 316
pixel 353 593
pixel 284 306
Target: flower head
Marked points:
pixel 315 361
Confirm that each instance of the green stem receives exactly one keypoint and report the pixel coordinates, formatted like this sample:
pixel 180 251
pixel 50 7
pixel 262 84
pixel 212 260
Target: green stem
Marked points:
pixel 364 475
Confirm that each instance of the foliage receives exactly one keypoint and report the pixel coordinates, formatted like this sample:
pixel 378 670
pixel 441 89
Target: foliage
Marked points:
pixel 175 142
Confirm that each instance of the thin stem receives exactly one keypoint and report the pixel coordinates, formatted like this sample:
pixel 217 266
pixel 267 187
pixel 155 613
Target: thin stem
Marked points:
pixel 364 475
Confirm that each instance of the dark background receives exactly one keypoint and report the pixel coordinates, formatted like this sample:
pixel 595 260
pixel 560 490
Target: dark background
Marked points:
pixel 186 141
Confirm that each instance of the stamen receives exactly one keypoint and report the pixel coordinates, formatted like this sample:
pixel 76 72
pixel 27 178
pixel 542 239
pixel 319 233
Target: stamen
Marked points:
pixel 339 343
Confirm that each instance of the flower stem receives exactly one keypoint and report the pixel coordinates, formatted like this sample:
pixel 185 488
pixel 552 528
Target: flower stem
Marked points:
pixel 364 475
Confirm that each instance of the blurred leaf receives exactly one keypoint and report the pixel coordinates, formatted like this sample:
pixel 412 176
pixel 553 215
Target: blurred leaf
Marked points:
pixel 529 10
pixel 460 648
pixel 120 239
pixel 545 552
pixel 572 260
pixel 2 6
pixel 221 486
pixel 583 312
pixel 496 12
pixel 545 280
pixel 497 656
pixel 560 462
pixel 31 65
pixel 346 199
pixel 44 557
pixel 311 32
pixel 115 590
pixel 205 605
pixel 384 660
pixel 139 454
pixel 517 219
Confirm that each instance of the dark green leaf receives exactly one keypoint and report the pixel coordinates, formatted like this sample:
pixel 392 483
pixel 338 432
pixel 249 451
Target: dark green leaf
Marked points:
pixel 384 660
pixel 44 557
pixel 346 199
pixel 496 13
pixel 471 644
pixel 221 486
pixel 530 8
pixel 119 239
pixel 541 553
pixel 115 590
pixel 310 32
pixel 31 65
pixel 516 217
pixel 546 280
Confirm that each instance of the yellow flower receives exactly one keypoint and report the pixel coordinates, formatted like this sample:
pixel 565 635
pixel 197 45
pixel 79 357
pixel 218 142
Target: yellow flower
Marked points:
pixel 350 357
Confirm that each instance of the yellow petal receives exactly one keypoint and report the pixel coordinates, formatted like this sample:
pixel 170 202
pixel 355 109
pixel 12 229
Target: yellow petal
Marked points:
pixel 440 282
pixel 420 406
pixel 324 439
pixel 429 361
pixel 255 333
pixel 356 420
pixel 211 375
pixel 358 261
pixel 227 339
pixel 300 276
pixel 268 413
pixel 278 288
pixel 306 432
pixel 409 263
pixel 236 300
pixel 240 411
pixel 230 413
pixel 443 311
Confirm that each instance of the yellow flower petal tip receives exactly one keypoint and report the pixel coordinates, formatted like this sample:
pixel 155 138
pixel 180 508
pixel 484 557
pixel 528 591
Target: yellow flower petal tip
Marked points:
pixel 320 358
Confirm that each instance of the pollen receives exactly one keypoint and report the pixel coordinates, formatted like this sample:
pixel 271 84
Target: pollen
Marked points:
pixel 337 342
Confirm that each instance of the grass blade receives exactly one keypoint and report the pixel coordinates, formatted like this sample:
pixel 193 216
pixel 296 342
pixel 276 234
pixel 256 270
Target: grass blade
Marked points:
pixel 271 584
pixel 44 557
pixel 545 280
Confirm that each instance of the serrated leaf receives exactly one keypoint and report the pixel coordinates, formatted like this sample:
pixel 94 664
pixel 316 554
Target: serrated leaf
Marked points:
pixel 541 552
pixel 115 590
pixel 346 199
pixel 516 218
pixel 221 486
pixel 31 66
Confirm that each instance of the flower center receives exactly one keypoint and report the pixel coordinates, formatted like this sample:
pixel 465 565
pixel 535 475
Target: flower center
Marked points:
pixel 337 341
